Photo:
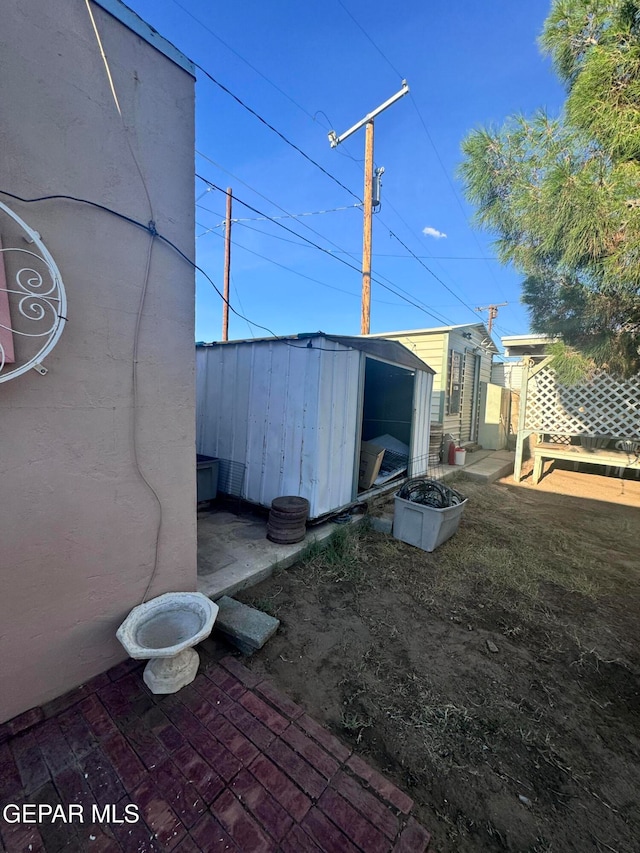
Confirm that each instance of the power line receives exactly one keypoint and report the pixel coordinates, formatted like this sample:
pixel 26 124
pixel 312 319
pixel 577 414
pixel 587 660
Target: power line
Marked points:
pixel 275 204
pixel 285 139
pixel 261 74
pixel 277 132
pixel 431 272
pixel 418 257
pixel 246 61
pixel 311 246
pixel 331 254
pixel 265 217
pixel 250 228
pixel 454 191
pixel 286 228
pixel 266 198
pixel 432 143
pixel 290 269
pixel 342 251
pixel 151 229
pixel 503 329
pixel 432 257
pixel 309 228
pixel 249 326
pixel 366 34
pixel 148 227
pixel 289 215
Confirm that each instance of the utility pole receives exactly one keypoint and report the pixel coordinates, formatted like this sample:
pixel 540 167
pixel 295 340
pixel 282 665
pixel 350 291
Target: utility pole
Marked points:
pixel 493 313
pixel 367 227
pixel 334 141
pixel 227 268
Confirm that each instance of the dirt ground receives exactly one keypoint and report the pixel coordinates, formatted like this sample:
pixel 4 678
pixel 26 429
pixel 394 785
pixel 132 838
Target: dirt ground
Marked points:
pixel 497 679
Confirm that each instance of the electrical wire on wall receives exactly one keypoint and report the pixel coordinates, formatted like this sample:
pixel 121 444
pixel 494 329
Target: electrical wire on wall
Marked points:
pixel 143 294
pixel 160 237
pixel 150 228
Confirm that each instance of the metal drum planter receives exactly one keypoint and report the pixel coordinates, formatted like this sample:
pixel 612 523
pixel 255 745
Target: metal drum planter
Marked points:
pixel 288 519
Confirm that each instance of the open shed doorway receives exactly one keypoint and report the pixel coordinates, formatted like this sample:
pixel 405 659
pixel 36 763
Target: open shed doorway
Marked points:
pixel 387 415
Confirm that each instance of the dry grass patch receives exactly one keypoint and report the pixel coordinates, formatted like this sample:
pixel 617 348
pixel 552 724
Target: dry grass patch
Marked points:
pixel 497 679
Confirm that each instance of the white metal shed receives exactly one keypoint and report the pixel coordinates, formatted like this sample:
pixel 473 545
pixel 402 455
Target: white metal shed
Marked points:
pixel 293 411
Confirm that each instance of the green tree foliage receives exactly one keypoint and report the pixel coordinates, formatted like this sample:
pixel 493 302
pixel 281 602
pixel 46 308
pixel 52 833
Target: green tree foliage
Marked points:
pixel 563 194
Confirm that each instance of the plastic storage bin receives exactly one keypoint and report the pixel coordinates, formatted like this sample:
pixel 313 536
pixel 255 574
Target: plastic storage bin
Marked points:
pixel 424 526
pixel 207 477
pixel 597 442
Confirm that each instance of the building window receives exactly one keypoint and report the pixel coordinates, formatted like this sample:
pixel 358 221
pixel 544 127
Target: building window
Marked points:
pixel 455 382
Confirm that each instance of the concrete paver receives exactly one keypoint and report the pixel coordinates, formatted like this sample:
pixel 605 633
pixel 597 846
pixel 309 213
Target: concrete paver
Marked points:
pixel 226 763
pixel 498 464
pixel 244 627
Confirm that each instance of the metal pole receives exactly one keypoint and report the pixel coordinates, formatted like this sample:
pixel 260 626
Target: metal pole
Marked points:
pixel 227 268
pixel 335 140
pixel 522 419
pixel 366 237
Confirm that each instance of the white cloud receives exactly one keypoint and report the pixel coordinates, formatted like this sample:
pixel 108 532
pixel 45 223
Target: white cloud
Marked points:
pixel 433 232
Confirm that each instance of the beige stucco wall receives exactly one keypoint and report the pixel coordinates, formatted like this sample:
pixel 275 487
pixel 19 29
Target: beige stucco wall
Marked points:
pixel 77 524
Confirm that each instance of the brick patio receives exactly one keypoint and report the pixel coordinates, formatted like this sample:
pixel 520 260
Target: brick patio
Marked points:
pixel 228 763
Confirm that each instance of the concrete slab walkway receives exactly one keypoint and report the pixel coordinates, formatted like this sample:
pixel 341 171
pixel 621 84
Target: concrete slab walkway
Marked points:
pixel 226 764
pixel 234 552
pixel 489 466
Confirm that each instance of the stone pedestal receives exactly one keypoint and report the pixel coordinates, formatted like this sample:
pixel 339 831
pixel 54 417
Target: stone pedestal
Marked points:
pixel 168 675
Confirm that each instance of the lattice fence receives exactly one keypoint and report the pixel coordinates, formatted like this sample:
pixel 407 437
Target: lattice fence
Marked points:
pixel 602 406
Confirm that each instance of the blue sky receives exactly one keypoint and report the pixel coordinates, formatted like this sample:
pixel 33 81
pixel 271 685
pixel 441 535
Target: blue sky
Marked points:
pixel 307 68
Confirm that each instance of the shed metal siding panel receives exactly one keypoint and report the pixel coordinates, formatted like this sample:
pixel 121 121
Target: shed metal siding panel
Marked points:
pixel 285 411
pixel 223 378
pixel 283 414
pixel 419 461
pixel 507 374
pixel 337 437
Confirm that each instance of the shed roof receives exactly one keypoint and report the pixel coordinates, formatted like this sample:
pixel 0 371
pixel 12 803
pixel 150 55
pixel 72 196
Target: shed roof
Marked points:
pixel 386 350
pixel 439 330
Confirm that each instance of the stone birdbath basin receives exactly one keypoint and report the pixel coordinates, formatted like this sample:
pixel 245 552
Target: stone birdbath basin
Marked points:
pixel 164 631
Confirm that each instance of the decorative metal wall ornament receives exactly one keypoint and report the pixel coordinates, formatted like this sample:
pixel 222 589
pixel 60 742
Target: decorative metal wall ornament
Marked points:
pixel 33 302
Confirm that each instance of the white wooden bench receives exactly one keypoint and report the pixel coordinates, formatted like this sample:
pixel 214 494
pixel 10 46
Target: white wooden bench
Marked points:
pixel 576 453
